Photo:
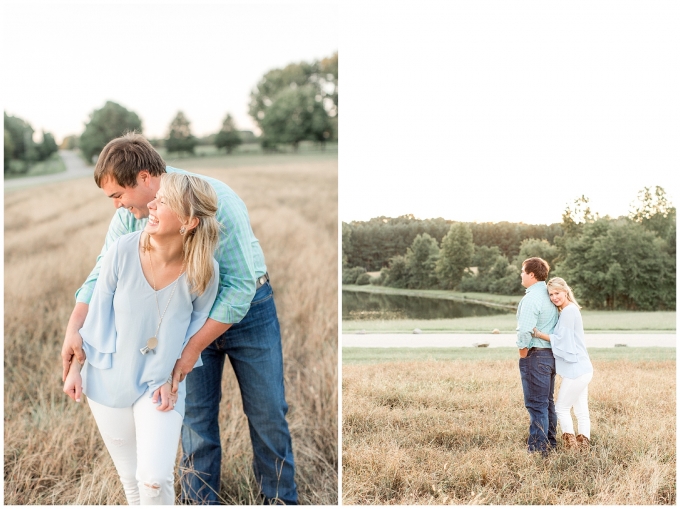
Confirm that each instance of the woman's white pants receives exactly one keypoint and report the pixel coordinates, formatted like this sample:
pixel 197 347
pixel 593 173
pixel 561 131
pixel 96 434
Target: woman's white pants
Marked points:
pixel 142 442
pixel 574 393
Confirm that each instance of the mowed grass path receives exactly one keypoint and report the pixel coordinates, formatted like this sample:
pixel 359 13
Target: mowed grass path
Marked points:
pixel 600 321
pixel 453 431
pixel 52 449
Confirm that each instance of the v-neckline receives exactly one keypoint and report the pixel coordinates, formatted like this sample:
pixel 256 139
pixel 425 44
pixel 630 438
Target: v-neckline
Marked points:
pixel 141 269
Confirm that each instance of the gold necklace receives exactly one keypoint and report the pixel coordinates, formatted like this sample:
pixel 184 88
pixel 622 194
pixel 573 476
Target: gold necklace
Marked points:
pixel 152 342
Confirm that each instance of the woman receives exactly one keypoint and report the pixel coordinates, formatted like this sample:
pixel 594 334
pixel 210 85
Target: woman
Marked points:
pixel 571 363
pixel 155 290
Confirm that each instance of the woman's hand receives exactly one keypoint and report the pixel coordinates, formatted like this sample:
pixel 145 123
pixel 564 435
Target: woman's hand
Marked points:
pixel 167 397
pixel 73 384
pixel 538 334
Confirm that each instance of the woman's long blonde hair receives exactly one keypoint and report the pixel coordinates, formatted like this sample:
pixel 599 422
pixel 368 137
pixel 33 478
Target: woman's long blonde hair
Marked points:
pixel 192 197
pixel 560 284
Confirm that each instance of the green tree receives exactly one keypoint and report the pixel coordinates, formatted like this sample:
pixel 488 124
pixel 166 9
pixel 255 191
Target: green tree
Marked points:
pixel 21 134
pixel 540 248
pixel 228 137
pixel 421 260
pixel 576 215
pixel 654 211
pixel 618 264
pixel 455 255
pixel 107 123
pixel 295 115
pixel 396 273
pixel 179 137
pixel 296 103
pixel 346 242
pixel 9 149
pixel 48 146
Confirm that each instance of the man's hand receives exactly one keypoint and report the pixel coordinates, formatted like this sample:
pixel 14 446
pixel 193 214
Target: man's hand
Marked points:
pixel 211 330
pixel 523 352
pixel 73 342
pixel 182 368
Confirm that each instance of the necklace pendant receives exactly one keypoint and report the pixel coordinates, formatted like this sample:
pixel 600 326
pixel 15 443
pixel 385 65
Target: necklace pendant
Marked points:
pixel 151 345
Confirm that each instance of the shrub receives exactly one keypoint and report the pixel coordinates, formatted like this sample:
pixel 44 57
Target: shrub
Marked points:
pixel 363 279
pixel 349 276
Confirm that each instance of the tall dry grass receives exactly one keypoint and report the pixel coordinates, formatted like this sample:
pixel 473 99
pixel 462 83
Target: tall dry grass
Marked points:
pixel 53 451
pixel 454 432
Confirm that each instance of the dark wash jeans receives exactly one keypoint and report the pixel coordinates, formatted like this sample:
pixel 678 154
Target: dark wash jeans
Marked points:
pixel 537 370
pixel 254 350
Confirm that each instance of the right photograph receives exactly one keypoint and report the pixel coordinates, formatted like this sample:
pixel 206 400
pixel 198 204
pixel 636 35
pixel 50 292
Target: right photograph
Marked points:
pixel 509 266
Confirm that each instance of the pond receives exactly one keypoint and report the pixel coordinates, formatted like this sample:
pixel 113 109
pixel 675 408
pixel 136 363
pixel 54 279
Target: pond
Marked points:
pixel 374 306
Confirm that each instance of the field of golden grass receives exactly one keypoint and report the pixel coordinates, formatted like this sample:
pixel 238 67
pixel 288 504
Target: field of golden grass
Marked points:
pixel 53 233
pixel 454 432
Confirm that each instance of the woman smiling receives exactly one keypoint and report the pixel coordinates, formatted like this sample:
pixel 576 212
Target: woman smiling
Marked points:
pixel 571 363
pixel 155 290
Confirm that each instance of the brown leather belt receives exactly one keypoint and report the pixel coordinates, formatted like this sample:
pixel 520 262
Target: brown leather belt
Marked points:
pixel 260 281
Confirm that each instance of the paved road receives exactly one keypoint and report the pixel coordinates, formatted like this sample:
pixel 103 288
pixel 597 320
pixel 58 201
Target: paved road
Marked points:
pixel 495 340
pixel 75 168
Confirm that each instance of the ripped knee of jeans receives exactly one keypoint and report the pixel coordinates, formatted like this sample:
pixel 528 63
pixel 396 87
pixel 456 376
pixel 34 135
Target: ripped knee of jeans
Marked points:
pixel 114 440
pixel 152 489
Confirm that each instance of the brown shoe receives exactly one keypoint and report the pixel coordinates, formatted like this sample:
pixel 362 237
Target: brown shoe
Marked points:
pixel 583 442
pixel 569 441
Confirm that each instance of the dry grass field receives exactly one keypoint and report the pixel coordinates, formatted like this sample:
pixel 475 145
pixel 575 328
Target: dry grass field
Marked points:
pixel 53 233
pixel 453 432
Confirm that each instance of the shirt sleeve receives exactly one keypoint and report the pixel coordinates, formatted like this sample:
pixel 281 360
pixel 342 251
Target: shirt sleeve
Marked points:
pixel 117 228
pixel 235 257
pixel 99 330
pixel 526 321
pixel 563 338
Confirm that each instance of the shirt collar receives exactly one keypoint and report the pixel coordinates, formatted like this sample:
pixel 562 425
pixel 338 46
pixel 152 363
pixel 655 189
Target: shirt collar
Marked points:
pixel 539 284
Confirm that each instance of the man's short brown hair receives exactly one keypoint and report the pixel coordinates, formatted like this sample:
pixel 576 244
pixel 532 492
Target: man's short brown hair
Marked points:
pixel 538 266
pixel 123 158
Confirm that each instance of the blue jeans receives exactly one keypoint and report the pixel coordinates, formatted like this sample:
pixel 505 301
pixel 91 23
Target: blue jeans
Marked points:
pixel 254 349
pixel 537 370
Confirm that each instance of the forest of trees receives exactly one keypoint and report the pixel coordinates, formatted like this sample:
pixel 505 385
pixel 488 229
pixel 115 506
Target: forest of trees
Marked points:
pixel 612 263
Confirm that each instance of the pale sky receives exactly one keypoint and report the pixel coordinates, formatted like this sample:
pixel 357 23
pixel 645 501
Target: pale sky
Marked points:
pixel 61 61
pixel 507 111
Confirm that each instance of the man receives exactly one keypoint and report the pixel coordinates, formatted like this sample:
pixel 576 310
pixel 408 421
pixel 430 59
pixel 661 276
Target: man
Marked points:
pixel 536 363
pixel 242 325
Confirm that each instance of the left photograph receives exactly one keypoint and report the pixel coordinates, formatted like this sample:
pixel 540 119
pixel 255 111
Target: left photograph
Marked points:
pixel 171 259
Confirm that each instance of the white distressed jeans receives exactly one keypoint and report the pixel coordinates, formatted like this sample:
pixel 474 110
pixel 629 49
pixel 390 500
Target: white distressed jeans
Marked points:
pixel 142 442
pixel 574 393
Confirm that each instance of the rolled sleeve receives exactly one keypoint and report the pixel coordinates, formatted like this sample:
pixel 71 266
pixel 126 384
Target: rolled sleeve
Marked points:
pixel 235 257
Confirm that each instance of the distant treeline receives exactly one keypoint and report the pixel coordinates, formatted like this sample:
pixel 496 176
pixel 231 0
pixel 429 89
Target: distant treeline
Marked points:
pixel 371 244
pixel 298 103
pixel 611 263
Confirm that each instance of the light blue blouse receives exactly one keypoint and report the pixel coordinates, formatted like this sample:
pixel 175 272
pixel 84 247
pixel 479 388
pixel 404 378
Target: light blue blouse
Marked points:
pixel 569 345
pixel 123 315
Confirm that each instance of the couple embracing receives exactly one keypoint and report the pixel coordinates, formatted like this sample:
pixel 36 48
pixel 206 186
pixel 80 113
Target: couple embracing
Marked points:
pixel 551 341
pixel 180 285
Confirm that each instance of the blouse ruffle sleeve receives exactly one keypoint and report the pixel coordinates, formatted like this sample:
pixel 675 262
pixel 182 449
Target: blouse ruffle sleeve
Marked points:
pixel 201 309
pixel 563 339
pixel 99 330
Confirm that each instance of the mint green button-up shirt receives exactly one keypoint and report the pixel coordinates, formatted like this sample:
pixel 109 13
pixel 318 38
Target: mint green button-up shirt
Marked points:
pixel 238 253
pixel 535 310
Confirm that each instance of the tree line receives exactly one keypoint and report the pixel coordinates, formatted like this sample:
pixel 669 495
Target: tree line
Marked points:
pixel 290 105
pixel 627 262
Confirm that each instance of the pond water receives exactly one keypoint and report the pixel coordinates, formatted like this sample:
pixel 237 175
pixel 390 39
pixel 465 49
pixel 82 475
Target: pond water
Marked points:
pixel 373 306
